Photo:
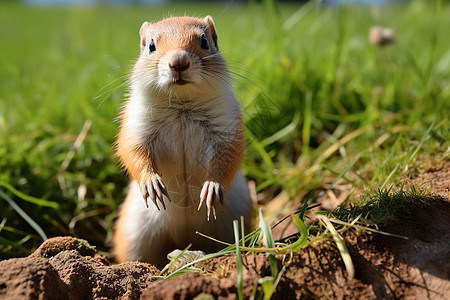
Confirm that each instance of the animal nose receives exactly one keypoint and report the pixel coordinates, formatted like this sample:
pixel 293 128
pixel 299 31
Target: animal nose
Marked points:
pixel 179 66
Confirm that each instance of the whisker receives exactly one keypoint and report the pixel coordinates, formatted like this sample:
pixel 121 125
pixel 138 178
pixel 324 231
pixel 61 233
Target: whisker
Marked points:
pixel 112 92
pixel 99 93
pixel 237 81
pixel 206 79
pixel 224 78
pixel 219 78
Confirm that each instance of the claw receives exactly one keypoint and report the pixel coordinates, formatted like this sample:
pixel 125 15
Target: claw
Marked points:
pixel 153 196
pixel 145 194
pixel 209 199
pixel 159 194
pixel 214 211
pixel 212 193
pixel 152 187
pixel 163 189
pixel 222 198
pixel 202 197
pixel 156 204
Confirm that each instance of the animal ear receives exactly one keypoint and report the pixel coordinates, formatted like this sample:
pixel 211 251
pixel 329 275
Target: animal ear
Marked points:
pixel 209 21
pixel 143 34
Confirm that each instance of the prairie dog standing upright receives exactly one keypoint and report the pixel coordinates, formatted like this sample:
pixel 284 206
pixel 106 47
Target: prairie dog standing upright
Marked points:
pixel 182 141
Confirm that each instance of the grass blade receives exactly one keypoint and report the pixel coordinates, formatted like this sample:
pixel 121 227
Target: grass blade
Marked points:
pixel 238 261
pixel 267 232
pixel 31 199
pixel 268 243
pixel 282 132
pixel 367 228
pixel 307 119
pixel 277 280
pixel 303 231
pixel 266 286
pixel 24 215
pixel 341 246
pixel 259 147
pixel 242 231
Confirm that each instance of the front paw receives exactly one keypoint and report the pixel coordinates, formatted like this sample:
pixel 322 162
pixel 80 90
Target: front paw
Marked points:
pixel 152 187
pixel 212 193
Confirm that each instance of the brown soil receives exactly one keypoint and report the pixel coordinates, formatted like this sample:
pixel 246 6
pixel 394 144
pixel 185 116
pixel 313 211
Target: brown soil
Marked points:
pixel 386 267
pixel 437 177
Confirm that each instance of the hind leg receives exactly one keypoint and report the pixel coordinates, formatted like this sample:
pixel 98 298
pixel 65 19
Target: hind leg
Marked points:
pixel 141 232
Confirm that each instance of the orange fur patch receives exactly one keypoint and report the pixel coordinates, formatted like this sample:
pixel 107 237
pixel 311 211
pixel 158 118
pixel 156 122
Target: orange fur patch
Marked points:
pixel 226 162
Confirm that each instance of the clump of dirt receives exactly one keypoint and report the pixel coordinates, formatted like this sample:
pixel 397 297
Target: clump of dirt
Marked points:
pixel 55 245
pixel 387 267
pixel 69 268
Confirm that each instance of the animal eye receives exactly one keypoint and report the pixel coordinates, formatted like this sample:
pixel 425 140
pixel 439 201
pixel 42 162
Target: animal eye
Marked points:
pixel 204 42
pixel 152 46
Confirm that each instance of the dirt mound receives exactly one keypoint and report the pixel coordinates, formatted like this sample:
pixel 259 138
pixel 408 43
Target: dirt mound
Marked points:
pixel 70 269
pixel 386 268
pixel 417 267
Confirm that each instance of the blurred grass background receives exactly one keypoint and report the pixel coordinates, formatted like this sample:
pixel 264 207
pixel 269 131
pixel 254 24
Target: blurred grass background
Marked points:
pixel 323 107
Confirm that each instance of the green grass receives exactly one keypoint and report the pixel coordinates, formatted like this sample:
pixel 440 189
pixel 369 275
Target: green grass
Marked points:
pixel 320 104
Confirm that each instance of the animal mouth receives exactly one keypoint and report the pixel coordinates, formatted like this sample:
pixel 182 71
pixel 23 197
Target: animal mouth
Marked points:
pixel 181 82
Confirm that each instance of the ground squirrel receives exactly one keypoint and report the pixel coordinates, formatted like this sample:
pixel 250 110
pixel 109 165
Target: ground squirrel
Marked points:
pixel 182 141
